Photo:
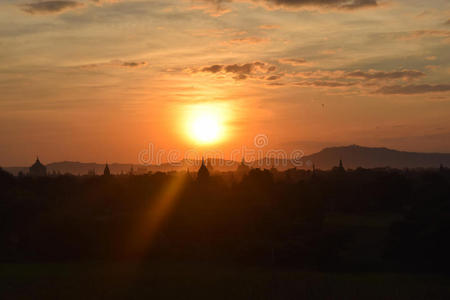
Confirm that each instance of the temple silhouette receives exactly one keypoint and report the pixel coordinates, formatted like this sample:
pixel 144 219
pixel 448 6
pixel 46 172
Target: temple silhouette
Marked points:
pixel 203 172
pixel 38 169
pixel 106 171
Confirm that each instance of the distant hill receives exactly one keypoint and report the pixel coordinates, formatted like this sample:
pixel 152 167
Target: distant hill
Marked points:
pixel 353 156
pixel 357 156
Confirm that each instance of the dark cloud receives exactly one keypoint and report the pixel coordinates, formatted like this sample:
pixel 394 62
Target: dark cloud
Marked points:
pixel 413 89
pixel 380 75
pixel 240 77
pixel 359 75
pixel 275 84
pixel 293 61
pixel 213 68
pixel 133 64
pixel 217 2
pixel 247 40
pixel 102 1
pixel 274 77
pixel 242 71
pixel 116 64
pixel 269 27
pixel 323 83
pixel 332 4
pixel 367 80
pixel 215 7
pixel 50 7
pixel 338 4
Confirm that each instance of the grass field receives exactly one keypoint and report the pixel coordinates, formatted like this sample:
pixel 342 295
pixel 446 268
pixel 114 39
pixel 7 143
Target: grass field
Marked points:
pixel 203 281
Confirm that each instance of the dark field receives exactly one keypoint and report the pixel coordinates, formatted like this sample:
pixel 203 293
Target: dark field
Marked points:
pixel 339 234
pixel 204 281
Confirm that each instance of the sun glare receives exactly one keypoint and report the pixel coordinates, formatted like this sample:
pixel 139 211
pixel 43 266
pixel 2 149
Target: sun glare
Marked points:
pixel 205 124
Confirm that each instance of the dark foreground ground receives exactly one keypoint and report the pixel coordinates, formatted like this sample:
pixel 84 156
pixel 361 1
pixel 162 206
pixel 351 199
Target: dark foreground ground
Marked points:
pixel 202 281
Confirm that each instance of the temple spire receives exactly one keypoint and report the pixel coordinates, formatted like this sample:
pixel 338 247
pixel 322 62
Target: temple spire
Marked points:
pixel 106 171
pixel 38 169
pixel 203 173
pixel 341 166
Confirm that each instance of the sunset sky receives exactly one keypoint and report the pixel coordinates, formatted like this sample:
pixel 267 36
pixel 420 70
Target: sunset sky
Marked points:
pixel 100 80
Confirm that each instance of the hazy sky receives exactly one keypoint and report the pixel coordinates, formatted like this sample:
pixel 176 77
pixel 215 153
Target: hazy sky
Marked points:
pixel 99 80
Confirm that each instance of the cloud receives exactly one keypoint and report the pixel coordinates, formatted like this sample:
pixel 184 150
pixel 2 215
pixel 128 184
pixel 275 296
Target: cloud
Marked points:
pixel 432 67
pixel 413 35
pixel 241 71
pixel 100 2
pixel 240 77
pixel 117 63
pixel 274 77
pixel 366 80
pixel 331 4
pixel 294 61
pixel 322 83
pixel 214 8
pixel 361 75
pixel 213 68
pixel 320 74
pixel 347 5
pixel 269 27
pixel 372 81
pixel 418 34
pixel 252 40
pixel 216 2
pixel 50 7
pixel 132 64
pixel 381 75
pixel 413 89
pixel 275 84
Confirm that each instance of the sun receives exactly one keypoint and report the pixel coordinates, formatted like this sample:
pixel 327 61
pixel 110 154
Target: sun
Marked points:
pixel 205 124
pixel 205 129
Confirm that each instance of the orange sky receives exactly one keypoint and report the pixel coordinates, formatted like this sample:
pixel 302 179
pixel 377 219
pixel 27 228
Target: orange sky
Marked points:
pixel 100 80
